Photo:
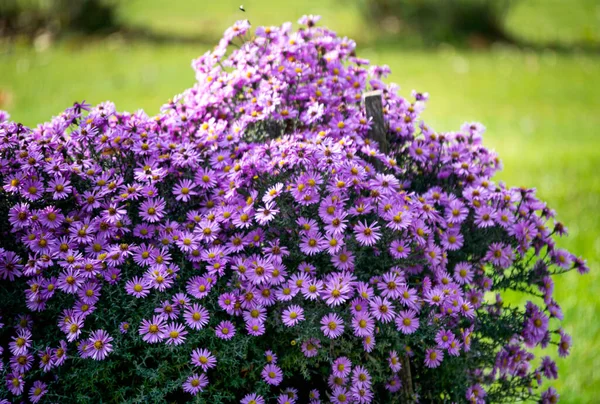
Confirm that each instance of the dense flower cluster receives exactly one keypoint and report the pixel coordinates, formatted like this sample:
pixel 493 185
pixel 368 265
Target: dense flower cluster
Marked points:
pixel 255 212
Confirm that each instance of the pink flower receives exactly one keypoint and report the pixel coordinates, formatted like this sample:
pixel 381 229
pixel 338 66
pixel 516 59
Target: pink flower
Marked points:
pixel 332 325
pixel 292 315
pixel 203 358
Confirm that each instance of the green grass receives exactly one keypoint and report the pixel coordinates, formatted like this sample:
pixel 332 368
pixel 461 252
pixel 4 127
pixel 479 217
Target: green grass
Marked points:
pixel 541 111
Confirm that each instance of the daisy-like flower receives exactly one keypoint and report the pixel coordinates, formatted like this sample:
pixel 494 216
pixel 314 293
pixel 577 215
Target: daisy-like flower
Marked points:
pixel 273 192
pixel 367 234
pixel 153 331
pixel 196 316
pixel 100 344
pixel 21 342
pixel 407 321
pixel 184 190
pixel 363 324
pixel 332 325
pixel 292 315
pixel 124 327
pixel 203 358
pixel 195 383
pixel 266 213
pixel 15 383
pixel 444 338
pixel 152 210
pixel 137 287
pixel 37 391
pixel 394 362
pixel 361 376
pixel 382 309
pixel 310 347
pixel 252 398
pixel 433 357
pixel 463 273
pixel 270 357
pixel 272 374
pixel 341 367
pixel 175 334
pixel 225 330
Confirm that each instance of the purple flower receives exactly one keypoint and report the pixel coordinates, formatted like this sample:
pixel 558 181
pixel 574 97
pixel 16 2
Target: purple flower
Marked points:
pixel 225 330
pixel 367 234
pixel 252 398
pixel 196 316
pixel 332 325
pixel 433 357
pixel 37 391
pixel 407 321
pixel 138 287
pixel 310 347
pixel 175 334
pixel 341 367
pixel 153 331
pixel 203 358
pixel 272 374
pixel 292 315
pixel 100 342
pixel 195 383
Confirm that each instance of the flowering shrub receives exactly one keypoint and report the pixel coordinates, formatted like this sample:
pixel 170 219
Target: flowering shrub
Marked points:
pixel 251 243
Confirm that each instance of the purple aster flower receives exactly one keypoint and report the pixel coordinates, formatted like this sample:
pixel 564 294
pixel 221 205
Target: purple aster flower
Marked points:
pixel 15 383
pixel 367 234
pixel 21 342
pixel 340 395
pixel 565 344
pixel 225 330
pixel 175 334
pixel 444 338
pixel 196 316
pixel 433 357
pixel 550 396
pixel 361 376
pixel 153 331
pixel 292 315
pixel 59 355
pixel 138 287
pixel 152 210
pixel 394 362
pixel 341 367
pixel 310 347
pixel 21 363
pixel 37 391
pixel 270 357
pixel 407 321
pixel 195 383
pixel 203 358
pixel 100 344
pixel 272 374
pixel 332 325
pixel 45 356
pixel 252 398
pixel 363 324
pixel 124 327
pixel 312 243
pixel 184 190
pixel 463 273
pixel 382 309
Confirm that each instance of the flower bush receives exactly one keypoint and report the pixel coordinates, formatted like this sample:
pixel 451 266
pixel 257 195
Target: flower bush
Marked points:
pixel 251 243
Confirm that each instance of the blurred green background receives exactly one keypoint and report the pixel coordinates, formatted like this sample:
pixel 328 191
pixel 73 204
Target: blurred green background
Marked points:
pixel 533 80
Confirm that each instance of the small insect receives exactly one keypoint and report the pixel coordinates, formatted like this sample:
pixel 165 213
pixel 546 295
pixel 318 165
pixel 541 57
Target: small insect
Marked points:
pixel 242 8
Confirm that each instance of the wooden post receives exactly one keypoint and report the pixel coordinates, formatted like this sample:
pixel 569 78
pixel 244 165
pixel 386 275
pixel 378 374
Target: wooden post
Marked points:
pixel 378 132
pixel 374 109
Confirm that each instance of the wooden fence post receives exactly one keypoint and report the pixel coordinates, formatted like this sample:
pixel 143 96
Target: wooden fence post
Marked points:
pixel 374 109
pixel 377 132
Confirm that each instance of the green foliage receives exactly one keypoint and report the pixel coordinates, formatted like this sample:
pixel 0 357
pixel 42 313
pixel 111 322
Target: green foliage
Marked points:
pixel 448 20
pixel 32 16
